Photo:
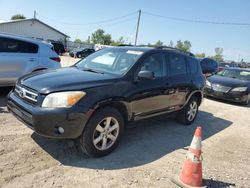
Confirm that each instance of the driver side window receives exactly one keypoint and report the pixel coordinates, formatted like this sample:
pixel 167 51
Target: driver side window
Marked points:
pixel 156 64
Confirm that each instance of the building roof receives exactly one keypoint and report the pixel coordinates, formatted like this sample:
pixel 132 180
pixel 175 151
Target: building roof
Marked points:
pixel 34 19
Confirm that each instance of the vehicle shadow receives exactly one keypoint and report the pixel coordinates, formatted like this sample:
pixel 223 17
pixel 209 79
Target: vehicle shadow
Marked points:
pixel 142 143
pixel 3 98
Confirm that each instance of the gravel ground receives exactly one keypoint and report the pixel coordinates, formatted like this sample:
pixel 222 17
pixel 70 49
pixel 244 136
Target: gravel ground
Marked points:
pixel 151 152
pixel 67 60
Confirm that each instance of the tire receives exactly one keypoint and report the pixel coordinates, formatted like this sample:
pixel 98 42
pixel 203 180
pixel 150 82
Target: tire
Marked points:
pixel 184 116
pixel 97 131
pixel 247 101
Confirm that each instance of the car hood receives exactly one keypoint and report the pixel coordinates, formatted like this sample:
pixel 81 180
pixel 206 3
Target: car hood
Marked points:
pixel 64 79
pixel 229 82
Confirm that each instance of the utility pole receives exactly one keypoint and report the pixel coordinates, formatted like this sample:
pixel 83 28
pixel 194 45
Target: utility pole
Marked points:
pixel 35 14
pixel 138 24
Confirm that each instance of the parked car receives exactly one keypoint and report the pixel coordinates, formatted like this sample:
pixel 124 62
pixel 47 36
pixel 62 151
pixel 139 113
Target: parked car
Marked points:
pixel 58 47
pixel 223 65
pixel 20 56
pixel 208 66
pixel 81 52
pixel 93 100
pixel 230 84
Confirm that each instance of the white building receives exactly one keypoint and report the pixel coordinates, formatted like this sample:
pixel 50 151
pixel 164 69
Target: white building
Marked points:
pixel 33 28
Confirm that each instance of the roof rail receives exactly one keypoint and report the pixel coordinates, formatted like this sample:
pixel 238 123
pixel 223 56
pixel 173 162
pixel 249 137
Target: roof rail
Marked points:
pixel 172 48
pixel 160 47
pixel 125 45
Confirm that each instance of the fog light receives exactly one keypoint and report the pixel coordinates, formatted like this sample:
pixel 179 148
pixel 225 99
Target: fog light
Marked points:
pixel 60 130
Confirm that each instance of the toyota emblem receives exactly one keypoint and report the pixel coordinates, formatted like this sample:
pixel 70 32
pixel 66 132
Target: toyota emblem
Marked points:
pixel 21 93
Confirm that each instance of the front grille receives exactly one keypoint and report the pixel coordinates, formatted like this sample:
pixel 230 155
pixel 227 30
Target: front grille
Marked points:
pixel 26 94
pixel 218 87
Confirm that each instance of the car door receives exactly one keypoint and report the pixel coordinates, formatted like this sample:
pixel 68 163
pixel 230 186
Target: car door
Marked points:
pixel 16 59
pixel 150 96
pixel 179 79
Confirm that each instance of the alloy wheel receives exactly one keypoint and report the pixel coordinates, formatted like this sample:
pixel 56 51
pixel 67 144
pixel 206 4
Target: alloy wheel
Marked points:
pixel 106 133
pixel 193 107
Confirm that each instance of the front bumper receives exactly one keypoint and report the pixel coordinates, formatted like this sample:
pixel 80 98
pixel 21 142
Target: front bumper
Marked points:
pixel 239 97
pixel 46 122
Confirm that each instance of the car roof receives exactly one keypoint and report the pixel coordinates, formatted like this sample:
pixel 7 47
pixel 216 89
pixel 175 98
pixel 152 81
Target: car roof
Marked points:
pixel 237 68
pixel 23 38
pixel 206 58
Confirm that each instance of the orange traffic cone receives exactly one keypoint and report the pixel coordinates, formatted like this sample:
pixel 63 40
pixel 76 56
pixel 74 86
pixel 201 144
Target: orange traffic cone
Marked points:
pixel 191 173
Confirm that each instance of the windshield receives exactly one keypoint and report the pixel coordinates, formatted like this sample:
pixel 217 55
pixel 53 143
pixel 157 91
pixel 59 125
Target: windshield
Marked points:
pixel 237 74
pixel 110 60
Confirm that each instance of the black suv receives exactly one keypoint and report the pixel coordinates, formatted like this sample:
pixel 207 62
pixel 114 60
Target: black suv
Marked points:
pixel 93 100
pixel 58 47
pixel 81 52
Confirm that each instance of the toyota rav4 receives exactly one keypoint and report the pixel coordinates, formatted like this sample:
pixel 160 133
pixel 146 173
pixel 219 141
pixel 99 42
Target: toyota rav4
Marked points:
pixel 93 100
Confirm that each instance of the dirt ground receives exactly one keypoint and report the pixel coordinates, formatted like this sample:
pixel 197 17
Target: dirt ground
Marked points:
pixel 151 152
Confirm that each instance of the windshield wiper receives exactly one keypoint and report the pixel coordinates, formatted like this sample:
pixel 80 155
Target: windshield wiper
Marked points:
pixel 92 70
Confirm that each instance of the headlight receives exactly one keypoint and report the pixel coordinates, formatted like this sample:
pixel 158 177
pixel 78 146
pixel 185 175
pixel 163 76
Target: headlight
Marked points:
pixel 239 89
pixel 62 99
pixel 208 83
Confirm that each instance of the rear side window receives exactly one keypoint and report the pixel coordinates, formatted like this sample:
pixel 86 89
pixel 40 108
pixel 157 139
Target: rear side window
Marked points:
pixel 177 64
pixel 193 65
pixel 17 46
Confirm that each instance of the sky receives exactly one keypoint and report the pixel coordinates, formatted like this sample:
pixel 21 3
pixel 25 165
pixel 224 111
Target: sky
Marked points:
pixel 80 18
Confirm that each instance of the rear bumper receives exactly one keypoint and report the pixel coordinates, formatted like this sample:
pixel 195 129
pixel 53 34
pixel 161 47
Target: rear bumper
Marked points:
pixel 46 122
pixel 239 97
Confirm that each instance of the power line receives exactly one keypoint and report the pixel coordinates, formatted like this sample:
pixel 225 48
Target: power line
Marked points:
pixel 93 23
pixel 196 21
pixel 98 26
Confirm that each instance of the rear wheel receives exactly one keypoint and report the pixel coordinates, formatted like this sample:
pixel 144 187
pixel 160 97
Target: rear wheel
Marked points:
pixel 102 133
pixel 188 114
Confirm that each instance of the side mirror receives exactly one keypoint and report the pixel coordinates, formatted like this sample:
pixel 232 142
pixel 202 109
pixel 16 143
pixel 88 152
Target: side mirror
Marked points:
pixel 146 75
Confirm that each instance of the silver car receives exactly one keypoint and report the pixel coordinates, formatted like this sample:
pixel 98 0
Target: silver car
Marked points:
pixel 21 55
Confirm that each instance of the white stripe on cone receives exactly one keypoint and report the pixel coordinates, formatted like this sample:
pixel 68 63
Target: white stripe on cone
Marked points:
pixel 196 143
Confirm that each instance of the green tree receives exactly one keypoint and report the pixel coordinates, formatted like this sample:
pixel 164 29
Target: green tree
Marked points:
pixel 171 44
pixel 158 43
pixel 120 41
pixel 184 46
pixel 200 55
pixel 78 41
pixel 218 54
pixel 99 37
pixel 17 17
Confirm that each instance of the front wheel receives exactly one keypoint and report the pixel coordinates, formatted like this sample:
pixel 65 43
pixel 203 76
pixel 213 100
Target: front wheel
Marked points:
pixel 247 100
pixel 189 113
pixel 102 133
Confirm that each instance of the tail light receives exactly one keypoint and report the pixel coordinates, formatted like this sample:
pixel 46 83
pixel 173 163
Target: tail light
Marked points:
pixel 57 59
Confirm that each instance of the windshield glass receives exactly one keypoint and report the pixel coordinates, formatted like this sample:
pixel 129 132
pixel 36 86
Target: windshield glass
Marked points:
pixel 110 60
pixel 237 74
